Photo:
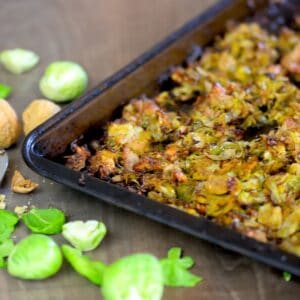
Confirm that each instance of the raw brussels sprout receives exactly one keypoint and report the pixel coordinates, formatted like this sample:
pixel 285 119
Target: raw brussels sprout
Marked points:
pixel 82 264
pixel 35 257
pixel 46 221
pixel 63 81
pixel 84 236
pixel 18 60
pixel 138 276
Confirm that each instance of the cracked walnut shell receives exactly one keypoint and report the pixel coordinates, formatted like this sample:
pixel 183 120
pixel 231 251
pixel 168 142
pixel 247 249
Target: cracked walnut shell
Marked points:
pixel 21 185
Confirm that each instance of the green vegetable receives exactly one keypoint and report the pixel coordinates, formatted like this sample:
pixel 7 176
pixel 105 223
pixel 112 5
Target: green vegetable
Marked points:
pixel 84 236
pixel 8 220
pixel 5 249
pixel 5 231
pixel 35 257
pixel 175 270
pixel 185 191
pixel 46 221
pixel 82 264
pixel 18 60
pixel 8 217
pixel 2 263
pixel 287 276
pixel 63 81
pixel 5 90
pixel 138 276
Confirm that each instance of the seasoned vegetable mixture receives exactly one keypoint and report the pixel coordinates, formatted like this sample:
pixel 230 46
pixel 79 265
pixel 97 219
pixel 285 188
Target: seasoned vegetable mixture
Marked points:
pixel 223 142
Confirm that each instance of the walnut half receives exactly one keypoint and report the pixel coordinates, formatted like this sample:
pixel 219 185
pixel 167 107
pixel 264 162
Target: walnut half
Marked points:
pixel 21 185
pixel 9 125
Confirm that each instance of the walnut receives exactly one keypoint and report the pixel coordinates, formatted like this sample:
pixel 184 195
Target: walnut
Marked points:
pixel 9 125
pixel 21 185
pixel 37 112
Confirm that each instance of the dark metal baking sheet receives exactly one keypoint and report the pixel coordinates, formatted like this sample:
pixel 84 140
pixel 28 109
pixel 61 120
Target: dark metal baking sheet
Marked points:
pixel 140 77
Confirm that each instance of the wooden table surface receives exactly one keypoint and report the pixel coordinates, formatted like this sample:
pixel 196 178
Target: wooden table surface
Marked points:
pixel 103 35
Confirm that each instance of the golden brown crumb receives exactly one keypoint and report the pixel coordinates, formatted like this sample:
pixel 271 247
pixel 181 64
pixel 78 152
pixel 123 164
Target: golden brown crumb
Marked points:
pixel 20 210
pixel 21 185
pixel 2 201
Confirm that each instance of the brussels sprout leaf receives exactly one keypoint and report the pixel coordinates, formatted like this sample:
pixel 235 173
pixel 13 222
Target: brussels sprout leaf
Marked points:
pixel 46 221
pixel 175 269
pixel 287 276
pixel 82 264
pixel 5 90
pixel 5 249
pixel 84 236
pixel 5 231
pixel 2 263
pixel 8 220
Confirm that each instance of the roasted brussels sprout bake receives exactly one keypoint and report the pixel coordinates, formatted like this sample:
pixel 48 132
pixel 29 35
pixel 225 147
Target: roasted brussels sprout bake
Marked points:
pixel 222 142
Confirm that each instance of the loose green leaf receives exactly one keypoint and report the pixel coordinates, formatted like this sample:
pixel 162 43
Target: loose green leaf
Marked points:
pixel 46 221
pixel 287 276
pixel 6 247
pixel 138 276
pixel 3 263
pixel 8 220
pixel 84 236
pixel 5 231
pixel 5 90
pixel 18 60
pixel 174 253
pixel 82 264
pixel 175 270
pixel 35 257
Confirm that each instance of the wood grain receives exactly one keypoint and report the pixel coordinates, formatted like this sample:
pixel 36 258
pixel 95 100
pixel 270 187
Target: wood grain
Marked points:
pixel 103 36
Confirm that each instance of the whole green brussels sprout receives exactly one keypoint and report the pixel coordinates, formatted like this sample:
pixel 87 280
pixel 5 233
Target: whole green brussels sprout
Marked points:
pixel 138 277
pixel 63 81
pixel 35 257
